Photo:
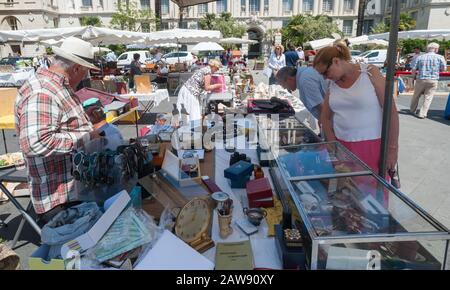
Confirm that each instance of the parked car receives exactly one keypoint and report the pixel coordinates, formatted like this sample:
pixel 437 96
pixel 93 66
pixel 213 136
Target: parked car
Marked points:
pixel 125 59
pixel 376 57
pixel 178 56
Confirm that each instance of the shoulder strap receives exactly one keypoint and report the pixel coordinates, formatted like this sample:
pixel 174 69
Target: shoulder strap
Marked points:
pixel 364 68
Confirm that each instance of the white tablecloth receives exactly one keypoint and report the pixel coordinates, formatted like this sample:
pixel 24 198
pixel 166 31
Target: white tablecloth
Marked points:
pixel 264 249
pixel 156 97
pixel 15 78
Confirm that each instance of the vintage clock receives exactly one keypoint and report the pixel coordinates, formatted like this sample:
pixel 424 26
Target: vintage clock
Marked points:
pixel 193 223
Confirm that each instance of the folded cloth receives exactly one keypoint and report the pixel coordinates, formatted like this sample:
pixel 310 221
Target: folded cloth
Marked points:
pixel 69 224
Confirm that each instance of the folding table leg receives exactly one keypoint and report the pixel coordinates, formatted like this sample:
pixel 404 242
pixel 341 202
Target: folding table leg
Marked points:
pixel 4 140
pixel 20 228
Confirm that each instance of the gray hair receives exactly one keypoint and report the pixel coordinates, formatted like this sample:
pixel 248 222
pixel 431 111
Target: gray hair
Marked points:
pixel 62 62
pixel 432 47
pixel 286 72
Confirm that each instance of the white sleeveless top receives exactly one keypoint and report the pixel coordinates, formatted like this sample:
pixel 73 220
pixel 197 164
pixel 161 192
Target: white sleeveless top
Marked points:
pixel 357 112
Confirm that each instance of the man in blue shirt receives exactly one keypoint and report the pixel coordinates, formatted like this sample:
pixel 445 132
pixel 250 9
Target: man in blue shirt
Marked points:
pixel 291 56
pixel 310 84
pixel 429 65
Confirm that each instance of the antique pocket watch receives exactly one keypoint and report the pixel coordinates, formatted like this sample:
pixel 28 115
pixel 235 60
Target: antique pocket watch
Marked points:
pixel 192 225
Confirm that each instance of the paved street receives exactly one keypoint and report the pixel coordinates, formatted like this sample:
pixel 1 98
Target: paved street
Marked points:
pixel 424 167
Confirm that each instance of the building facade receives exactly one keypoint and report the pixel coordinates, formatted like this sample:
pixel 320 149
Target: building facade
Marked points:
pixel 259 16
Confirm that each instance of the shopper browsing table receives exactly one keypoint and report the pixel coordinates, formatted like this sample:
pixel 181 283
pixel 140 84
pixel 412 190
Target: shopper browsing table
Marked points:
pixel 51 123
pixel 352 110
pixel 192 90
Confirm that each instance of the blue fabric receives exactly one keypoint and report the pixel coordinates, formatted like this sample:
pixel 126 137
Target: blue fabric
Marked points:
pixel 447 108
pixel 312 88
pixel 69 224
pixel 291 58
pixel 401 85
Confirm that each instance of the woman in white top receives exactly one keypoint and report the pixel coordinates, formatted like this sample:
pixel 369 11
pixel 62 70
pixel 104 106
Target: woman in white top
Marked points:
pixel 276 62
pixel 352 109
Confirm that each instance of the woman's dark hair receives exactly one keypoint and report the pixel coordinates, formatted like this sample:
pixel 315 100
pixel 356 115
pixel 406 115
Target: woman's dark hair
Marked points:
pixel 136 56
pixel 286 72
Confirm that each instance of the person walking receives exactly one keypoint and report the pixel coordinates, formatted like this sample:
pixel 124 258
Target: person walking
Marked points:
pixel 428 66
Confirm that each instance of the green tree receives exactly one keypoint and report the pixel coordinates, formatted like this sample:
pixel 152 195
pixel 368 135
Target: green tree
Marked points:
pixel 129 17
pixel 91 20
pixel 380 28
pixel 225 23
pixel 406 23
pixel 303 28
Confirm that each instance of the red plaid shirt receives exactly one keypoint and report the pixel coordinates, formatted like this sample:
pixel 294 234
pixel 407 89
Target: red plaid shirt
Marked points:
pixel 50 123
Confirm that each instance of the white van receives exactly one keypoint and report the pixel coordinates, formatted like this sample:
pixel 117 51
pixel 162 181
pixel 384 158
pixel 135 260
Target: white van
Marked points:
pixel 126 58
pixel 376 57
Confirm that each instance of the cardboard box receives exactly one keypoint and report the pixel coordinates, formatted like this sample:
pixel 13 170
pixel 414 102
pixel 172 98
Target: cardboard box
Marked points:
pixel 37 260
pixel 113 208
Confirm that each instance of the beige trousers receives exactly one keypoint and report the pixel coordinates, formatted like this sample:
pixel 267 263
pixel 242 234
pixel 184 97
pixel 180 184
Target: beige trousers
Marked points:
pixel 427 88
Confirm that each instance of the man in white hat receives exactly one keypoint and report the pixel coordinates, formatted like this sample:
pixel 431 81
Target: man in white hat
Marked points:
pixel 51 123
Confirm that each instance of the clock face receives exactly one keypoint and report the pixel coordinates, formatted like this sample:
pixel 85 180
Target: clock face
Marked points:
pixel 193 220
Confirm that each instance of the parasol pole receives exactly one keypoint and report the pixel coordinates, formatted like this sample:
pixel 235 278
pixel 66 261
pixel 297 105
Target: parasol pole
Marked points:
pixel 389 89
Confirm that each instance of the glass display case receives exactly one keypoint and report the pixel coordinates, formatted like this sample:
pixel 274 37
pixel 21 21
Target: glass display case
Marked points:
pixel 350 218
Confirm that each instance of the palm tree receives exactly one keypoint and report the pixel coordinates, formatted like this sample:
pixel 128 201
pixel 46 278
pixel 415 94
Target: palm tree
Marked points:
pixel 361 9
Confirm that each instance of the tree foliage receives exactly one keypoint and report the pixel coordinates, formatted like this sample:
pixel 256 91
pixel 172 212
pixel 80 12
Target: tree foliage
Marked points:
pixel 91 20
pixel 406 23
pixel 225 23
pixel 129 17
pixel 408 45
pixel 304 28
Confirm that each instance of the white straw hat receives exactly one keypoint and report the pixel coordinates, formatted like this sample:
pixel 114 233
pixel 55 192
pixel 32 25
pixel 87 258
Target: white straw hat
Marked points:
pixel 77 51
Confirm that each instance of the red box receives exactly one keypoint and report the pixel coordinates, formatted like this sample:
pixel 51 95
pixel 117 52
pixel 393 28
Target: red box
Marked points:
pixel 259 193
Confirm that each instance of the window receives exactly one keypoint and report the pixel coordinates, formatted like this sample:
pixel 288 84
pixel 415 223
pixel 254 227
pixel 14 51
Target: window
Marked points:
pixel 123 57
pixel 221 6
pixel 266 6
pixel 347 28
pixel 414 15
pixel 288 5
pixel 145 27
pixel 403 4
pixel 308 5
pixel 243 6
pixel 254 6
pixel 164 7
pixel 12 22
pixel 55 22
pixel 87 3
pixel 100 3
pixel 145 4
pixel 373 54
pixel 327 5
pixel 164 25
pixel 348 5
pixel 367 26
pixel 203 8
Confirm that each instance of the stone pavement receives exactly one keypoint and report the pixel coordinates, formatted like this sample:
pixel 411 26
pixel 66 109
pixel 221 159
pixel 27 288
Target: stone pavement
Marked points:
pixel 424 161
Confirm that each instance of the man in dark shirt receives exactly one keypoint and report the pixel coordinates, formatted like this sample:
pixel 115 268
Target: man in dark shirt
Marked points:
pixel 291 56
pixel 135 69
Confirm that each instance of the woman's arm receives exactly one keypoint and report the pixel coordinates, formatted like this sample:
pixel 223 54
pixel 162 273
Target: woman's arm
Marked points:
pixel 271 63
pixel 325 119
pixel 379 82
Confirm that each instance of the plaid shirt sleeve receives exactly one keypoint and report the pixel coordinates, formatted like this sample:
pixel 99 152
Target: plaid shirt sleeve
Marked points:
pixel 40 135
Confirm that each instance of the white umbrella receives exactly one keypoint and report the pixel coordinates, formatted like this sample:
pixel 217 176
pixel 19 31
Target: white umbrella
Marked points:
pixel 422 34
pixel 317 44
pixel 364 39
pixel 235 40
pixel 207 46
pixel 100 49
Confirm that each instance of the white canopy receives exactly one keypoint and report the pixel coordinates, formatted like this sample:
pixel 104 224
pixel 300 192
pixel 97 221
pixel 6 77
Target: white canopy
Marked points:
pixel 364 39
pixel 235 40
pixel 438 34
pixel 105 36
pixel 183 36
pixel 207 46
pixel 144 46
pixel 317 44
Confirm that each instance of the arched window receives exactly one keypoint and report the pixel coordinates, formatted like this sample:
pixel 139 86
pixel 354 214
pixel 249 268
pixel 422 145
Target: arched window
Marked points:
pixel 12 22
